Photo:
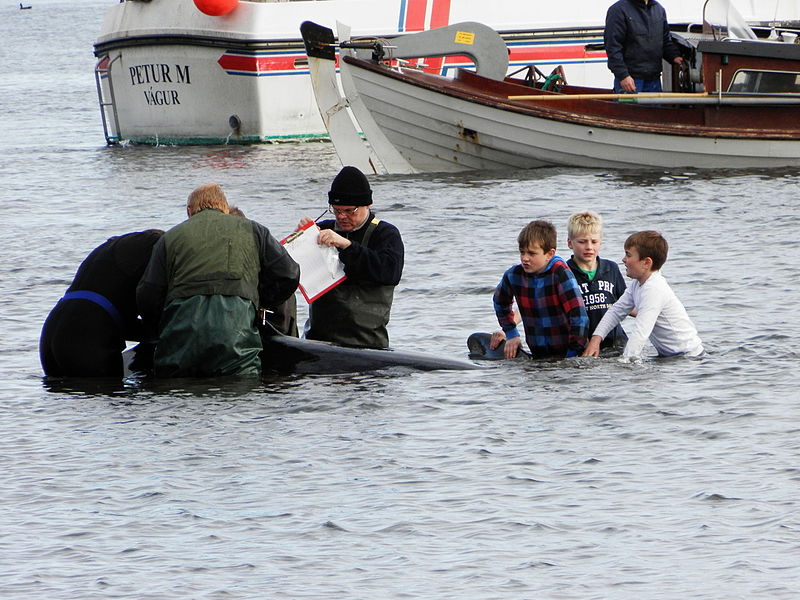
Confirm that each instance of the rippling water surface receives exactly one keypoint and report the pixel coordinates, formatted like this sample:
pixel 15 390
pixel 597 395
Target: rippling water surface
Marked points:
pixel 584 479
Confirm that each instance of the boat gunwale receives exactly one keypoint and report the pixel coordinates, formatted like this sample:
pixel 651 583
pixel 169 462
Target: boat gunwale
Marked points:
pixel 461 89
pixel 174 39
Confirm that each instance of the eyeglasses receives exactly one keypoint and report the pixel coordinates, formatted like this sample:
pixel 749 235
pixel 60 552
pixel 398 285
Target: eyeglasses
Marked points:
pixel 345 212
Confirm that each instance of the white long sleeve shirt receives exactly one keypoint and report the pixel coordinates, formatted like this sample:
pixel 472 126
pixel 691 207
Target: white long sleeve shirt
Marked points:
pixel 660 317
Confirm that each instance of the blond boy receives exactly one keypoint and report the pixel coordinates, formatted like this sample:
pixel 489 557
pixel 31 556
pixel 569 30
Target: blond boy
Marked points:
pixel 600 280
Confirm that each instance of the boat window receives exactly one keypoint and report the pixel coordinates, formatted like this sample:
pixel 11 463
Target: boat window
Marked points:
pixel 765 82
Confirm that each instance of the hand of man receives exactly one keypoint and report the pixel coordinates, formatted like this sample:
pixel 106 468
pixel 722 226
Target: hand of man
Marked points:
pixel 304 221
pixel 593 347
pixel 678 60
pixel 511 347
pixel 328 237
pixel 497 337
pixel 628 85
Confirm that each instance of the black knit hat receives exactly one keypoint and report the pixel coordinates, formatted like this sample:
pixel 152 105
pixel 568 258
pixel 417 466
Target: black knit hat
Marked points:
pixel 350 188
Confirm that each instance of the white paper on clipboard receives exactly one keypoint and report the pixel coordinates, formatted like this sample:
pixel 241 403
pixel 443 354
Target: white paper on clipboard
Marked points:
pixel 320 267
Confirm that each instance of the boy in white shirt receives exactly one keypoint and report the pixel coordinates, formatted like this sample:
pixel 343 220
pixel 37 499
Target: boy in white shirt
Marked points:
pixel 661 317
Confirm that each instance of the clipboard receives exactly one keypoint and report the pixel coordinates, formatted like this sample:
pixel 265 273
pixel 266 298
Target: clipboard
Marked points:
pixel 320 267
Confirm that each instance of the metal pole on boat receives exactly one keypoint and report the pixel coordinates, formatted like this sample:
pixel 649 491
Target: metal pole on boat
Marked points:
pixel 556 97
pixel 674 98
pixel 721 101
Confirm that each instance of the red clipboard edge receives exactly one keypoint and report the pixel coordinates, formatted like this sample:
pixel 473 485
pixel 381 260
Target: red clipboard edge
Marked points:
pixel 296 231
pixel 300 287
pixel 327 289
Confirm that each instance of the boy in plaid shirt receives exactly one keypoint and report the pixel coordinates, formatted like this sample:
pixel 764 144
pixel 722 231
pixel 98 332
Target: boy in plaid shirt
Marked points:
pixel 548 296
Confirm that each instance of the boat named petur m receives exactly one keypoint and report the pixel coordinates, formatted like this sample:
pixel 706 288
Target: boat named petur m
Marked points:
pixel 735 103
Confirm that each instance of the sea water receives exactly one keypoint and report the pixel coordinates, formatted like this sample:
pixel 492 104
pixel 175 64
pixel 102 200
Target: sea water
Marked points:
pixel 584 479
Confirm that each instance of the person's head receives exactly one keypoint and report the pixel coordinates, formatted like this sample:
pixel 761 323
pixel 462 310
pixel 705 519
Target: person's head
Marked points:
pixel 350 198
pixel 584 238
pixel 537 246
pixel 235 210
pixel 209 195
pixel 645 252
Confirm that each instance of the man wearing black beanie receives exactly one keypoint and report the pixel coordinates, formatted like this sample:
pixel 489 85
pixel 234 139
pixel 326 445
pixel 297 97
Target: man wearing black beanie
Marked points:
pixel 356 312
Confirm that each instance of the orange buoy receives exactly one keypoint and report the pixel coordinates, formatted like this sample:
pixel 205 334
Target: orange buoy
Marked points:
pixel 215 8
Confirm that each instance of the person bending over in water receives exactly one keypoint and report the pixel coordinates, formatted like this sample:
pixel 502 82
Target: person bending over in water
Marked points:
pixel 204 282
pixel 85 333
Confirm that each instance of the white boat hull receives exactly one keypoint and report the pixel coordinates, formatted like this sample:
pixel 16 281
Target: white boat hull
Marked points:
pixel 196 106
pixel 435 132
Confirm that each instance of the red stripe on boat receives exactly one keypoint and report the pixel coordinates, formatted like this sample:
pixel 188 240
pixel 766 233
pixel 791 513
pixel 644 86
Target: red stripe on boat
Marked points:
pixel 260 64
pixel 415 15
pixel 440 14
pixel 553 53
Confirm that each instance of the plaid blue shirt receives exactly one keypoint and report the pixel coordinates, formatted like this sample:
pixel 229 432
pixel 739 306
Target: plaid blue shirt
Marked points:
pixel 551 305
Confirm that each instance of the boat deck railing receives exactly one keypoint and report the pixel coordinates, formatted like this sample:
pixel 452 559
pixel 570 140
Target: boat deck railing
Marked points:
pixel 102 71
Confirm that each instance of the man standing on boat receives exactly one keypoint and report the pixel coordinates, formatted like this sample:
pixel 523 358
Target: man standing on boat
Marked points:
pixel 356 312
pixel 637 37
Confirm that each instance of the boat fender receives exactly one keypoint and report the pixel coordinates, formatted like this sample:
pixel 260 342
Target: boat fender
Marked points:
pixel 216 8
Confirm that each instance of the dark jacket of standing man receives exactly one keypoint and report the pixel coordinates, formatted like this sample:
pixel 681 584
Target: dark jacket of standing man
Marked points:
pixel 637 37
pixel 356 312
pixel 206 279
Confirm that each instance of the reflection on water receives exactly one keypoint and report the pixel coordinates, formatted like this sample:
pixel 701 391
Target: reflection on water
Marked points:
pixel 579 479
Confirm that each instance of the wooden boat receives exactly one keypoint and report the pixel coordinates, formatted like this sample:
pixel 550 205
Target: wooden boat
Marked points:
pixel 737 105
pixel 169 73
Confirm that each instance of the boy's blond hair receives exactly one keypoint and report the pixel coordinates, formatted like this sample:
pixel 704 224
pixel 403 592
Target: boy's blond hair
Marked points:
pixel 540 233
pixel 209 195
pixel 649 244
pixel 583 223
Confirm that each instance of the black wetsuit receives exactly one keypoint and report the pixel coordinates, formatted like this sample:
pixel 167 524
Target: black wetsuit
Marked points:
pixel 84 335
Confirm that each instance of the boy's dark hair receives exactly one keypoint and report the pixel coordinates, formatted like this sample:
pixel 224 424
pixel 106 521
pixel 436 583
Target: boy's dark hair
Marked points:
pixel 649 244
pixel 541 233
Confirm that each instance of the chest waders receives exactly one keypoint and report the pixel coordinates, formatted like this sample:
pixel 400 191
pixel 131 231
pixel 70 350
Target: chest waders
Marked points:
pixel 354 314
pixel 208 324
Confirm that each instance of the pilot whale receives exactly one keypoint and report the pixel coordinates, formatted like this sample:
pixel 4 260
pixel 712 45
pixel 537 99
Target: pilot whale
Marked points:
pixel 284 354
pixel 287 354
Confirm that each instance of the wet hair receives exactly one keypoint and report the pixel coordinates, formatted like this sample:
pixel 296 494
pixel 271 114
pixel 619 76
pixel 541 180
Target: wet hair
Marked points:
pixel 540 233
pixel 649 244
pixel 584 222
pixel 209 195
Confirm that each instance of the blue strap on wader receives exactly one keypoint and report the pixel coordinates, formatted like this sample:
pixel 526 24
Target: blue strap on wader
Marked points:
pixel 98 299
